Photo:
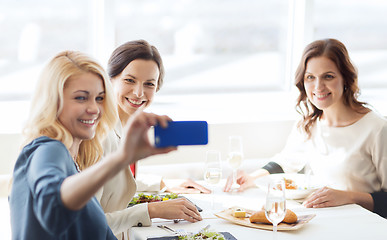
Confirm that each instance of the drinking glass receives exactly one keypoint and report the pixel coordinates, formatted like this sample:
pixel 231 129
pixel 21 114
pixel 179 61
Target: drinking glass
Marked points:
pixel 275 207
pixel 235 156
pixel 307 173
pixel 213 171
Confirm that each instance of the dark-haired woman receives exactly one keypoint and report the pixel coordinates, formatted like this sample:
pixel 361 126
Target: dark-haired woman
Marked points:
pixel 136 71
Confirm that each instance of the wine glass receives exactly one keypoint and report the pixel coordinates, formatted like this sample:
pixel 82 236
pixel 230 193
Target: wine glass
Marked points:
pixel 235 156
pixel 307 174
pixel 275 207
pixel 213 171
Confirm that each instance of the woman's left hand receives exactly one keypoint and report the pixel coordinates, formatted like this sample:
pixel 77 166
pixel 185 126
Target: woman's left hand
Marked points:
pixel 327 197
pixel 179 208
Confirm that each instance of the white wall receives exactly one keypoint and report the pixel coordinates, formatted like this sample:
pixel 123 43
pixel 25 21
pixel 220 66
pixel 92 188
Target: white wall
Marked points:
pixel 260 140
pixel 9 150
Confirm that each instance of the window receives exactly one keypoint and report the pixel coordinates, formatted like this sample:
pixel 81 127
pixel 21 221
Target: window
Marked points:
pixel 219 54
pixel 32 32
pixel 361 26
pixel 211 46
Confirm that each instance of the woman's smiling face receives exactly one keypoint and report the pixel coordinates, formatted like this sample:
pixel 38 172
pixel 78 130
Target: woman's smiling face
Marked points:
pixel 136 86
pixel 83 97
pixel 323 82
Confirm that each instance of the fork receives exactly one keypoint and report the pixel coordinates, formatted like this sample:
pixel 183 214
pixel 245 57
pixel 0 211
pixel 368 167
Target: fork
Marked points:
pixel 205 228
pixel 179 232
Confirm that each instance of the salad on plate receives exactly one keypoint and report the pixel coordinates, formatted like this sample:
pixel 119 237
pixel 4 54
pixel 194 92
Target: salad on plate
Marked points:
pixel 143 198
pixel 203 235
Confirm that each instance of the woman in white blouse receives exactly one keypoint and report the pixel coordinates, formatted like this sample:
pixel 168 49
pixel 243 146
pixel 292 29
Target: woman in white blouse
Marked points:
pixel 341 139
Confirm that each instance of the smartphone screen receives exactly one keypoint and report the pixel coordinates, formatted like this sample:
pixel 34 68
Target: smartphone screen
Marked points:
pixel 181 133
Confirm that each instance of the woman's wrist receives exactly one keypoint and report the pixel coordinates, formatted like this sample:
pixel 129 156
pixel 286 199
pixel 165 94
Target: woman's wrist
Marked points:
pixel 152 210
pixel 259 173
pixel 363 199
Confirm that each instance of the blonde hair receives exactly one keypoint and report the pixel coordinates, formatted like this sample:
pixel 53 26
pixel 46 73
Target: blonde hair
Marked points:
pixel 47 104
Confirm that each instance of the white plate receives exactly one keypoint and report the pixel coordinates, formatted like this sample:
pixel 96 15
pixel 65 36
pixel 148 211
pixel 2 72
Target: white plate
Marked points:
pixel 302 190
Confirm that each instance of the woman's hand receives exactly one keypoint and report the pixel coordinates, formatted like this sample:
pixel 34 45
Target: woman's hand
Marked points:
pixel 243 179
pixel 135 144
pixel 180 208
pixel 327 197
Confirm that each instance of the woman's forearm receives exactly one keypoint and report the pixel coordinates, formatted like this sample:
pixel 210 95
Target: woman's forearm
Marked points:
pixel 259 173
pixel 78 189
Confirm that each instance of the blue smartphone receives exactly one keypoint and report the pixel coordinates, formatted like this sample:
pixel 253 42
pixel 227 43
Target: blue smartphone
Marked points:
pixel 181 133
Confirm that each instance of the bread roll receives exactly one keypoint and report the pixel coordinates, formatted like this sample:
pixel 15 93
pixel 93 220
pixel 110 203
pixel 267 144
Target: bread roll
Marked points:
pixel 260 217
pixel 290 217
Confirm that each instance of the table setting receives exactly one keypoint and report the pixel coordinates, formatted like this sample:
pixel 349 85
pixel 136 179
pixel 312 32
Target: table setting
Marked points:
pixel 271 210
pixel 342 222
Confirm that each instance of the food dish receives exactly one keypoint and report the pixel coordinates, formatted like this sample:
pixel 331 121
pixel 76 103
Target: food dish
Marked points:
pixel 239 213
pixel 143 198
pixel 260 217
pixel 296 187
pixel 227 215
pixel 226 235
pixel 163 238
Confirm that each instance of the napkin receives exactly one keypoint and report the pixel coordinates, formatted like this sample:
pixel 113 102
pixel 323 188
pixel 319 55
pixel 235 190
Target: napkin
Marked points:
pixel 189 186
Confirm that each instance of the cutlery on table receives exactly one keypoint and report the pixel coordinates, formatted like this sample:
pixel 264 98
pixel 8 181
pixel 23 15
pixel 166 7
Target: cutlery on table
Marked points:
pixel 179 232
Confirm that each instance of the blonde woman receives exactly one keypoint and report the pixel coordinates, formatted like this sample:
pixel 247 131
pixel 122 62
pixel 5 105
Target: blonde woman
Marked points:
pixel 73 108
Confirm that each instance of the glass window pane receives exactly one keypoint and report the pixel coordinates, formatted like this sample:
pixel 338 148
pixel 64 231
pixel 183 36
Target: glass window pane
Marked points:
pixel 32 32
pixel 211 46
pixel 361 26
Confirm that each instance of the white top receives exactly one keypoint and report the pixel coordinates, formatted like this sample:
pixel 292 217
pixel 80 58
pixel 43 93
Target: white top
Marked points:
pixel 116 194
pixel 347 158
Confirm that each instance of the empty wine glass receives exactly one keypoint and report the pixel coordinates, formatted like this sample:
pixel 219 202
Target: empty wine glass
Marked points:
pixel 275 207
pixel 307 173
pixel 213 171
pixel 235 156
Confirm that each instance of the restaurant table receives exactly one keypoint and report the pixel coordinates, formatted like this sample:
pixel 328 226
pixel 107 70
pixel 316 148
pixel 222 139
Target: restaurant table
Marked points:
pixel 342 222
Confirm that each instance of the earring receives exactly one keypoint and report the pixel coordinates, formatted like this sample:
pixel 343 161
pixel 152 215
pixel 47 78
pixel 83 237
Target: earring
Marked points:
pixel 345 88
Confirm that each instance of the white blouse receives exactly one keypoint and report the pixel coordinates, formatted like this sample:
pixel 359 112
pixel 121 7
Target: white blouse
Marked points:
pixel 347 158
pixel 116 194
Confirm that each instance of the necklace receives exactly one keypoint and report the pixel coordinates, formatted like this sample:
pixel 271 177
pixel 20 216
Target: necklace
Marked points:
pixel 118 135
pixel 76 164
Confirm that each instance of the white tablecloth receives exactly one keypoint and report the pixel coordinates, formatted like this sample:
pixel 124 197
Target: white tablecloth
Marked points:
pixel 344 222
